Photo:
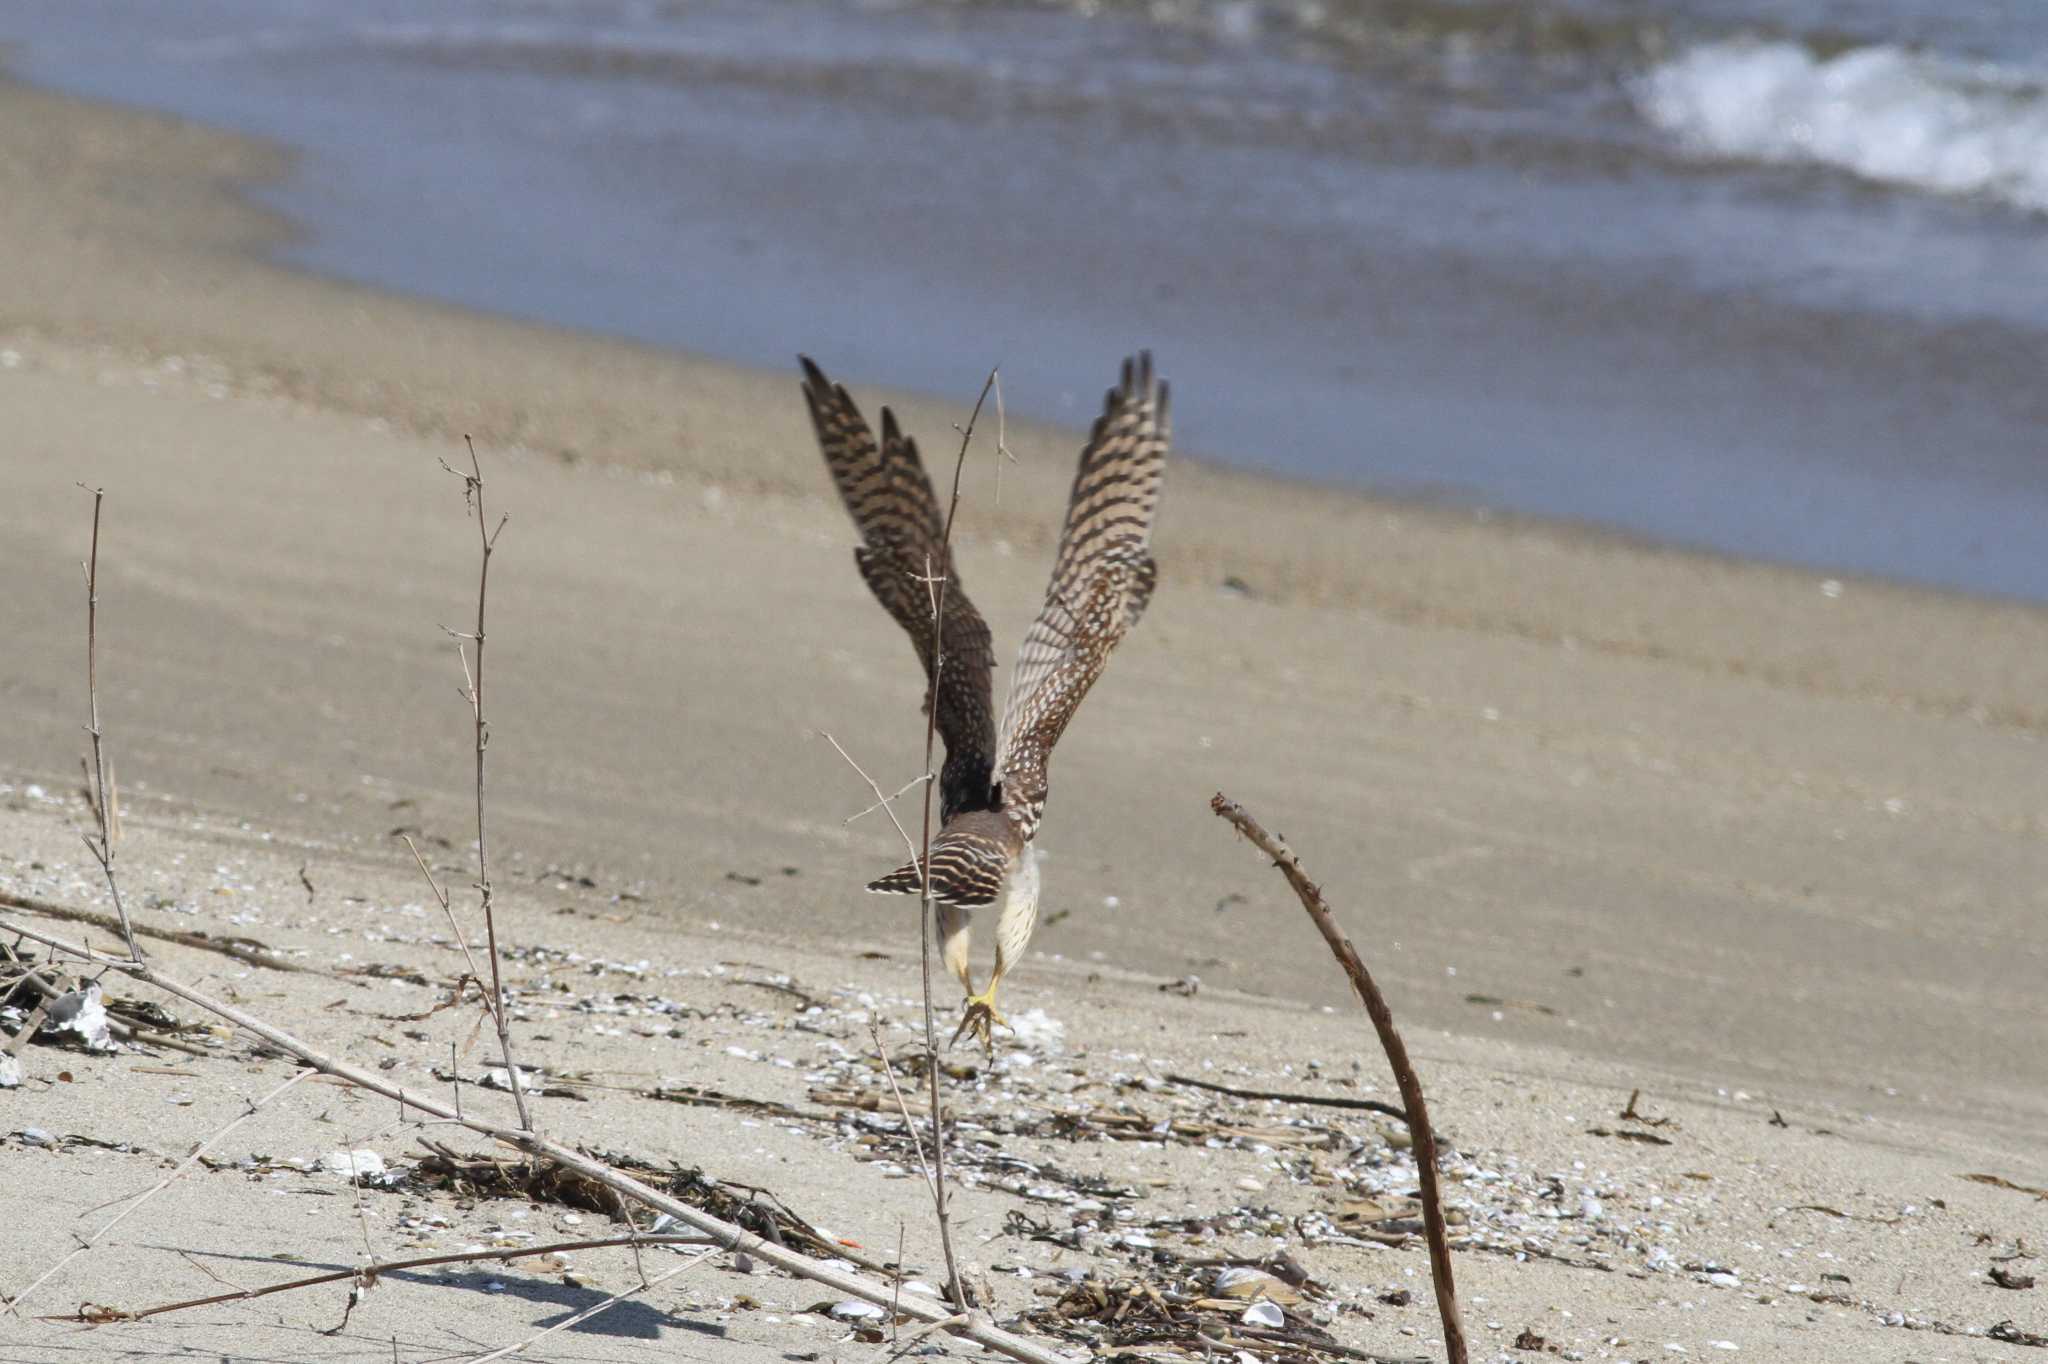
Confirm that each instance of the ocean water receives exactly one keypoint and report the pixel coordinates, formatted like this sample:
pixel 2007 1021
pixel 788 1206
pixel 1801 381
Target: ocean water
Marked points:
pixel 1770 279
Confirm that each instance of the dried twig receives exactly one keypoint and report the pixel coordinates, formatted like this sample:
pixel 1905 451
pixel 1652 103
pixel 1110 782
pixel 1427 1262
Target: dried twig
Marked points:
pixel 487 538
pixel 105 802
pixel 1311 896
pixel 455 927
pixel 722 1233
pixel 909 1126
pixel 86 1243
pixel 927 920
pixel 99 1313
pixel 1319 1100
pixel 241 949
pixel 886 804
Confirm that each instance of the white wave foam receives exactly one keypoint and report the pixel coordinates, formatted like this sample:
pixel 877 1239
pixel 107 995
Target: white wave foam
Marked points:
pixel 1884 113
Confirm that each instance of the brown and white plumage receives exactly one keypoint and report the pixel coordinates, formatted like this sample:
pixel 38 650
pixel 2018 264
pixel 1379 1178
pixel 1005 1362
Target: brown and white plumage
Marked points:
pixel 901 557
pixel 994 783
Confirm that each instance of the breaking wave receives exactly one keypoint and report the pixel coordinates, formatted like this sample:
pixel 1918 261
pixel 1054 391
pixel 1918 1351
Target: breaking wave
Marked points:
pixel 1884 113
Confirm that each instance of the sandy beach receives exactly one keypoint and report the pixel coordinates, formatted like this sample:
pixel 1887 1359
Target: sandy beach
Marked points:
pixel 1768 846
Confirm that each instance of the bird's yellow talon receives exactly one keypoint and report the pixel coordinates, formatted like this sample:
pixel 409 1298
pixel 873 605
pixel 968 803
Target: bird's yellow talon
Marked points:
pixel 978 1019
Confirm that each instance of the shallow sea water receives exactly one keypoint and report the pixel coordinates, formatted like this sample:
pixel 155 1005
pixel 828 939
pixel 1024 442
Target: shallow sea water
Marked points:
pixel 1771 280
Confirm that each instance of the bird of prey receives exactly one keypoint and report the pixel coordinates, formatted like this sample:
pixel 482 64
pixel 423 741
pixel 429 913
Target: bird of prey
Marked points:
pixel 992 786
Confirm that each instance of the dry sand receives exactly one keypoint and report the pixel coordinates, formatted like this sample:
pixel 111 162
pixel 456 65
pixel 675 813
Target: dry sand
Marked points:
pixel 1602 818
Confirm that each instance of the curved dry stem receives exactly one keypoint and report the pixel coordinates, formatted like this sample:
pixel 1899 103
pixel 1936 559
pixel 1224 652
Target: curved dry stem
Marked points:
pixel 1416 1111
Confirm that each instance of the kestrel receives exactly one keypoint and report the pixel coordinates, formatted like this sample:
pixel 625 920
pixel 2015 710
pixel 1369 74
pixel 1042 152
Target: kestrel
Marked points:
pixel 992 786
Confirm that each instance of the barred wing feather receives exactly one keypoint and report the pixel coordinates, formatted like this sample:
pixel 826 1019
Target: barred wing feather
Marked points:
pixel 901 556
pixel 1102 577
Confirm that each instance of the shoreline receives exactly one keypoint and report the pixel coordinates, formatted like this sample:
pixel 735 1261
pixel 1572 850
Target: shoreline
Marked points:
pixel 1735 734
pixel 228 240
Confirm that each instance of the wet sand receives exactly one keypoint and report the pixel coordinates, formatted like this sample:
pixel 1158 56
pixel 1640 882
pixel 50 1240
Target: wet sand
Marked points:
pixel 1600 815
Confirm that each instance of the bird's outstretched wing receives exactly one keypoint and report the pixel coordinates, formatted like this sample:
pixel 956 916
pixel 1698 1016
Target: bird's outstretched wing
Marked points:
pixel 901 555
pixel 1102 578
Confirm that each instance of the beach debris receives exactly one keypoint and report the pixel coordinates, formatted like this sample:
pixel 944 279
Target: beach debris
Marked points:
pixel 1145 1317
pixel 1499 1002
pixel 543 1181
pixel 10 1070
pixel 1281 1096
pixel 1365 1212
pixel 499 1077
pixel 2006 1278
pixel 853 1309
pixel 81 1016
pixel 1630 1113
pixel 1245 1281
pixel 361 1166
pixel 2000 1182
pixel 531 1081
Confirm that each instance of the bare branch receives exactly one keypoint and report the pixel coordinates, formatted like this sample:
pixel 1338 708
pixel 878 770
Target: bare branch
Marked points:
pixel 100 1314
pixel 1416 1111
pixel 473 496
pixel 885 801
pixel 241 949
pixel 455 927
pixel 105 810
pixel 927 925
pixel 881 801
pixel 909 1124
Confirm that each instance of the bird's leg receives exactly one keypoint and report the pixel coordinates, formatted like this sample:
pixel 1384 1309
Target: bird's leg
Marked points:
pixel 981 1016
pixel 981 1007
pixel 1013 931
pixel 954 926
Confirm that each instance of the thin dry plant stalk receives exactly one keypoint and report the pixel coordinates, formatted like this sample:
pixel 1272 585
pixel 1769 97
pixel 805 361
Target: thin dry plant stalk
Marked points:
pixel 367 1275
pixel 927 919
pixel 105 804
pixel 454 926
pixel 473 679
pixel 1417 1112
pixel 241 949
pixel 724 1234
pixel 135 1201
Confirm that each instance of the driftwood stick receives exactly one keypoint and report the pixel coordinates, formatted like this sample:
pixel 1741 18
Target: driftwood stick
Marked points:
pixel 241 949
pixel 1419 1128
pixel 719 1232
pixel 1316 1100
